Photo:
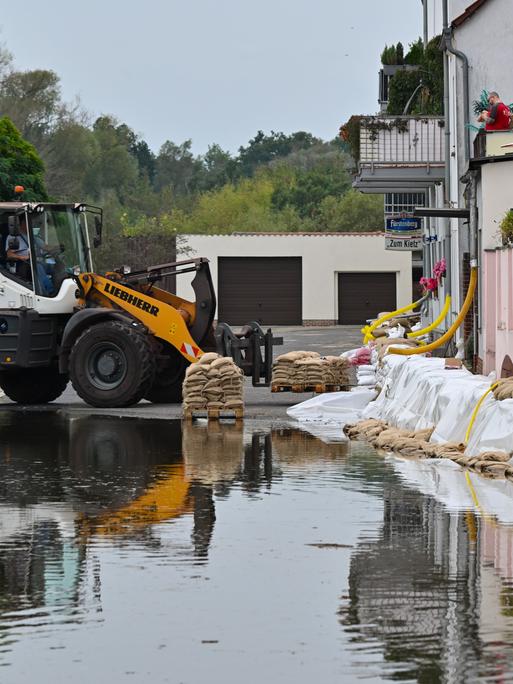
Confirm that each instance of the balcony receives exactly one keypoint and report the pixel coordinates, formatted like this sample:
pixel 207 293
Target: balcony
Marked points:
pixel 399 153
pixel 492 144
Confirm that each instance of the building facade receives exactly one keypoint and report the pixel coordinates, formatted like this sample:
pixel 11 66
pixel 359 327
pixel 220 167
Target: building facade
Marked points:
pixel 302 279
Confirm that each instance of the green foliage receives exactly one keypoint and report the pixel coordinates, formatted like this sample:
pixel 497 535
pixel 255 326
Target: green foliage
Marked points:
pixel 309 188
pixel 389 55
pixel 430 76
pixel 402 86
pixel 353 212
pixel 399 53
pixel 350 135
pixel 415 54
pixel 276 182
pixel 263 149
pixel 19 165
pixel 31 100
pixel 506 228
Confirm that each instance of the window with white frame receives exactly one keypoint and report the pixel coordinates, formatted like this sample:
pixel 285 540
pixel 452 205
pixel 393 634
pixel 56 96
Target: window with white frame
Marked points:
pixel 403 202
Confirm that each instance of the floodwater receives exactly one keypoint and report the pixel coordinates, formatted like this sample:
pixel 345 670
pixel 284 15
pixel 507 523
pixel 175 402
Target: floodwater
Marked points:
pixel 133 551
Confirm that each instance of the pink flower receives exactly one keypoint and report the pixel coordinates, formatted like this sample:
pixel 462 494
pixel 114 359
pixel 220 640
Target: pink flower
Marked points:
pixel 440 269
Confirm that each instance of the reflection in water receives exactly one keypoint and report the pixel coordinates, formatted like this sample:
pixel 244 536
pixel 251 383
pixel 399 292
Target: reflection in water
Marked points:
pixel 427 592
pixel 431 592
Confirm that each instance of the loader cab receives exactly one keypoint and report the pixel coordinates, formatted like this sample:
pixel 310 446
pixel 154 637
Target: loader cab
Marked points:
pixel 43 244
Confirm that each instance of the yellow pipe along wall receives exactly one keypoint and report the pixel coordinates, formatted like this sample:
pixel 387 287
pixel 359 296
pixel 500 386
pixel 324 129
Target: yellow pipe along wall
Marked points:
pixel 368 329
pixel 435 323
pixel 450 333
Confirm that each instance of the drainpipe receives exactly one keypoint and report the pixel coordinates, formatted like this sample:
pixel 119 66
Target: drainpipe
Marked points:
pixel 447 139
pixel 447 46
pixel 425 2
pixel 470 178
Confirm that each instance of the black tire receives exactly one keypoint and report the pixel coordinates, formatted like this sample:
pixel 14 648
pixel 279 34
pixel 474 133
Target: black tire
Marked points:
pixel 112 364
pixel 33 385
pixel 167 386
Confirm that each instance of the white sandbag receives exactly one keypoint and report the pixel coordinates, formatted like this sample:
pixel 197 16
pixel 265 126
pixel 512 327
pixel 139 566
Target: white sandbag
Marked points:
pixel 366 381
pixel 493 428
pixel 334 407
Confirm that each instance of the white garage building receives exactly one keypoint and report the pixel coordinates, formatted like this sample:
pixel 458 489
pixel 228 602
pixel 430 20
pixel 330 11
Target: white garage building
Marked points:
pixel 302 279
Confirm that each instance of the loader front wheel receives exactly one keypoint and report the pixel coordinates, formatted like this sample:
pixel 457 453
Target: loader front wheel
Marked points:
pixel 167 386
pixel 112 365
pixel 33 385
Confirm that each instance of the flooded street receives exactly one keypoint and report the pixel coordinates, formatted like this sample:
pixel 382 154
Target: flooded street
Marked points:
pixel 131 550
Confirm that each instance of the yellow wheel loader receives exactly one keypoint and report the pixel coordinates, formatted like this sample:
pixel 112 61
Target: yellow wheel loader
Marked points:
pixel 118 337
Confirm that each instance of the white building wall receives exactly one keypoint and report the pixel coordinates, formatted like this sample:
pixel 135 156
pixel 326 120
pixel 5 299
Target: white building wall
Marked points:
pixel 496 200
pixel 323 257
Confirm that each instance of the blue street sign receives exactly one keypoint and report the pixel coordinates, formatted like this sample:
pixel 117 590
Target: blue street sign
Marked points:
pixel 401 225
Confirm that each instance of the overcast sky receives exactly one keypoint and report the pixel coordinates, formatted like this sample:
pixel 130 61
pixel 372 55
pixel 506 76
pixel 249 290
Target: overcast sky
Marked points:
pixel 213 70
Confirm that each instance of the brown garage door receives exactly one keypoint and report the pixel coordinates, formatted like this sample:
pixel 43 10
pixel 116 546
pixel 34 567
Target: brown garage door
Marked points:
pixel 363 295
pixel 262 289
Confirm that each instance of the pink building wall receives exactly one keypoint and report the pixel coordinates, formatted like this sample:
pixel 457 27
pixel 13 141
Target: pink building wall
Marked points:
pixel 497 304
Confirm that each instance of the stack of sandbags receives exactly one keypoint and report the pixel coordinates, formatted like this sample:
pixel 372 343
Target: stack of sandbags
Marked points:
pixel 285 369
pixel 309 369
pixel 213 382
pixel 339 369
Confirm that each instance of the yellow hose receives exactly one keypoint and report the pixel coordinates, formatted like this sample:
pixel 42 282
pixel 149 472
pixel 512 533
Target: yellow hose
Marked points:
pixel 367 330
pixel 475 411
pixel 449 334
pixel 434 324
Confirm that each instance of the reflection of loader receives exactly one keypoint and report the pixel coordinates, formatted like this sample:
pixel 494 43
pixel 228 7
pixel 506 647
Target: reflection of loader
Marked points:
pixel 117 336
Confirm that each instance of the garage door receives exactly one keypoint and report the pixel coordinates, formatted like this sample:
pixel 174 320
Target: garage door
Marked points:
pixel 262 289
pixel 363 295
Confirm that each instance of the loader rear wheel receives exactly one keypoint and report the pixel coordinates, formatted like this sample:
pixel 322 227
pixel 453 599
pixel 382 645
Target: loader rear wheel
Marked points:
pixel 112 365
pixel 33 385
pixel 167 386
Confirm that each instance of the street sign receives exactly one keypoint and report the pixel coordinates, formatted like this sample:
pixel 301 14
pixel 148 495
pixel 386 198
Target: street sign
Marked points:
pixel 403 243
pixel 403 233
pixel 399 225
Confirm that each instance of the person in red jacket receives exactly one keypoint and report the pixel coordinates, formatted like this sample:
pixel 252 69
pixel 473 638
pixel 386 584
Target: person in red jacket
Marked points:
pixel 498 116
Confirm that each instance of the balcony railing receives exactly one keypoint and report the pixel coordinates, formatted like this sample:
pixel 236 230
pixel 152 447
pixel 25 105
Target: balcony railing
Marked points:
pixel 402 140
pixel 493 144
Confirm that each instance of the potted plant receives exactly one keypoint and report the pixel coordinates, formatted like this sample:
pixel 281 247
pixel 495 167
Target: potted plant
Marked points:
pixel 506 228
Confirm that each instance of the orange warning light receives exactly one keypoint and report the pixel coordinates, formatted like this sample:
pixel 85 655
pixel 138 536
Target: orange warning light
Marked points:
pixel 18 189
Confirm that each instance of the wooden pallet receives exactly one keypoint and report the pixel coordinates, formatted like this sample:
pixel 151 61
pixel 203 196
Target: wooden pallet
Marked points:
pixel 214 413
pixel 302 389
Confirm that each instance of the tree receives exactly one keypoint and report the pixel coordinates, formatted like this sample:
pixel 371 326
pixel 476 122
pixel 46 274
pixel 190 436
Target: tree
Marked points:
pixel 32 100
pixel 19 165
pixel 263 149
pixel 354 212
pixel 326 175
pixel 176 167
pixel 70 152
pixel 112 167
pixel 218 168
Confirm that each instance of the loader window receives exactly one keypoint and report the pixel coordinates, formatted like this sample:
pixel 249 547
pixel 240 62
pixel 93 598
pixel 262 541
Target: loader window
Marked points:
pixel 60 247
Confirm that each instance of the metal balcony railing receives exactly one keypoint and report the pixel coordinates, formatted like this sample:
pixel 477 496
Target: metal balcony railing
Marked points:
pixel 402 141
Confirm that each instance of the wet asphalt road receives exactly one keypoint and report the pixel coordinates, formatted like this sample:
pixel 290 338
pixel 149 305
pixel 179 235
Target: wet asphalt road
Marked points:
pixel 260 403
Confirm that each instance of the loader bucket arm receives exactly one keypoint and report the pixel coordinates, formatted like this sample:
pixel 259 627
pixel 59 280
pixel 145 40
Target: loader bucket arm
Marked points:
pixel 205 303
pixel 202 311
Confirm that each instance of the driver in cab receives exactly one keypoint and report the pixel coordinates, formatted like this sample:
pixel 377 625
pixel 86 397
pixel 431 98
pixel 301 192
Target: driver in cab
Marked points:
pixel 18 254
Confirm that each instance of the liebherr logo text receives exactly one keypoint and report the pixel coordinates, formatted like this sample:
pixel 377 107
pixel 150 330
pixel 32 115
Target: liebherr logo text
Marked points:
pixel 131 299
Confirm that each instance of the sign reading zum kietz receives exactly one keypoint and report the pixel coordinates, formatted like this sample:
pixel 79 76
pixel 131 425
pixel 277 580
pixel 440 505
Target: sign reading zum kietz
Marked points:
pixel 403 233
